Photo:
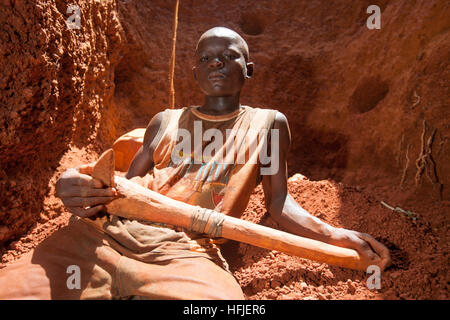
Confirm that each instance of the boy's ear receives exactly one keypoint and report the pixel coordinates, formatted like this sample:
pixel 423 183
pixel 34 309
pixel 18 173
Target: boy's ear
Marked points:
pixel 250 69
pixel 194 73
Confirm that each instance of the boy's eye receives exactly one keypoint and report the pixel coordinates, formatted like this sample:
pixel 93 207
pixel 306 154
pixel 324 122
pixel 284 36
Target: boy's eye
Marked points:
pixel 204 59
pixel 231 56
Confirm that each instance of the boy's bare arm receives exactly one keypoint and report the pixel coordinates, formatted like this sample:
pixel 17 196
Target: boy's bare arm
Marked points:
pixel 294 219
pixel 143 160
pixel 85 196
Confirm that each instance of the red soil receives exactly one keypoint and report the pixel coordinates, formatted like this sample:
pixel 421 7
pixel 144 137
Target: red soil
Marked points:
pixel 419 248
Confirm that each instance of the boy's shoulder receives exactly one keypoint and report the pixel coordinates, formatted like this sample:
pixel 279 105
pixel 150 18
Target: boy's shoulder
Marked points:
pixel 263 109
pixel 192 107
pixel 254 113
pixel 273 114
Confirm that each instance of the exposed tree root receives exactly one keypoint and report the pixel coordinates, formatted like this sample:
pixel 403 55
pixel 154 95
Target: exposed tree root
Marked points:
pixel 441 144
pixel 400 145
pixel 405 169
pixel 411 215
pixel 417 97
pixel 425 163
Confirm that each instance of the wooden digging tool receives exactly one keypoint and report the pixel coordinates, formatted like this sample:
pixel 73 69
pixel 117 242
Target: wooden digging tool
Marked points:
pixel 139 203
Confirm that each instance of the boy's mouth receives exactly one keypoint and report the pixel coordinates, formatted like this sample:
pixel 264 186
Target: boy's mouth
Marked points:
pixel 216 76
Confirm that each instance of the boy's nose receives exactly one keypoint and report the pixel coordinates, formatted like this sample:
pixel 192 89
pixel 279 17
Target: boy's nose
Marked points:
pixel 216 63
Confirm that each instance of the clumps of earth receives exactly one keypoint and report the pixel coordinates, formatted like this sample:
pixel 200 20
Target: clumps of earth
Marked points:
pixel 418 248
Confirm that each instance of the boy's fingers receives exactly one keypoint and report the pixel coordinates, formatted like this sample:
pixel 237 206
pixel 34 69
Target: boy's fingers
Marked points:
pixel 86 201
pixel 86 181
pixel 366 250
pixel 94 183
pixel 84 213
pixel 86 168
pixel 87 192
pixel 379 248
pixel 75 191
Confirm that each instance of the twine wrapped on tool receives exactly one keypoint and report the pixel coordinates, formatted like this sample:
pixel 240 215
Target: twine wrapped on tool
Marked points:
pixel 200 219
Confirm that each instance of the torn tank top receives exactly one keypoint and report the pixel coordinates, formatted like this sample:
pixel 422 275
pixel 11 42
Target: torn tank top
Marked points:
pixel 212 161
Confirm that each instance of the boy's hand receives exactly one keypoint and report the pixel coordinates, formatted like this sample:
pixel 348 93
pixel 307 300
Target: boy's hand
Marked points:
pixel 83 195
pixel 370 249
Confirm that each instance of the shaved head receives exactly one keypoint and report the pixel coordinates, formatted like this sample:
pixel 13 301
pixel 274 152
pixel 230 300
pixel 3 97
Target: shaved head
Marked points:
pixel 221 63
pixel 222 32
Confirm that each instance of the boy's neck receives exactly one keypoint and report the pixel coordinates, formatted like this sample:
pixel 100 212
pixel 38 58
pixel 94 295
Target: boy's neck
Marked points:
pixel 220 105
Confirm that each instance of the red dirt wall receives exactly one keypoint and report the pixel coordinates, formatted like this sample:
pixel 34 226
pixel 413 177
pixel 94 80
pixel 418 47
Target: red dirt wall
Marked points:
pixel 55 84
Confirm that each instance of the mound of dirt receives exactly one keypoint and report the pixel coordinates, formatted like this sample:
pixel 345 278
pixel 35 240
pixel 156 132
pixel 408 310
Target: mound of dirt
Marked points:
pixel 418 248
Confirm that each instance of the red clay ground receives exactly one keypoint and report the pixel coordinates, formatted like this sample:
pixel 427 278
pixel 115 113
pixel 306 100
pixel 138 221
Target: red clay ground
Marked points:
pixel 419 247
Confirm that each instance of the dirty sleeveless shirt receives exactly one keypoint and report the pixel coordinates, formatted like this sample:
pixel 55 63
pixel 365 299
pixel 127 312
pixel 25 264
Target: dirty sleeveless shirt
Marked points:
pixel 209 161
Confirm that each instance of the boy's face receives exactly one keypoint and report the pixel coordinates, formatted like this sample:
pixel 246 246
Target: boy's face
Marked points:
pixel 220 65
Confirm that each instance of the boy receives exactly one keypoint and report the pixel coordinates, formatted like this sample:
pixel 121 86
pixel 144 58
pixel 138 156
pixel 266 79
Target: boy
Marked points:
pixel 119 258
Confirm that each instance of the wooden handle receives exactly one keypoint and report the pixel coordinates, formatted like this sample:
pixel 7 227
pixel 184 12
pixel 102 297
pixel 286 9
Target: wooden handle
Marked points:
pixel 140 203
pixel 272 239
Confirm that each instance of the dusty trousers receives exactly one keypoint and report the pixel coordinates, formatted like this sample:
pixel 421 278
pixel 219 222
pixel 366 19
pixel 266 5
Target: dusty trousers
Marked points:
pixel 50 270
